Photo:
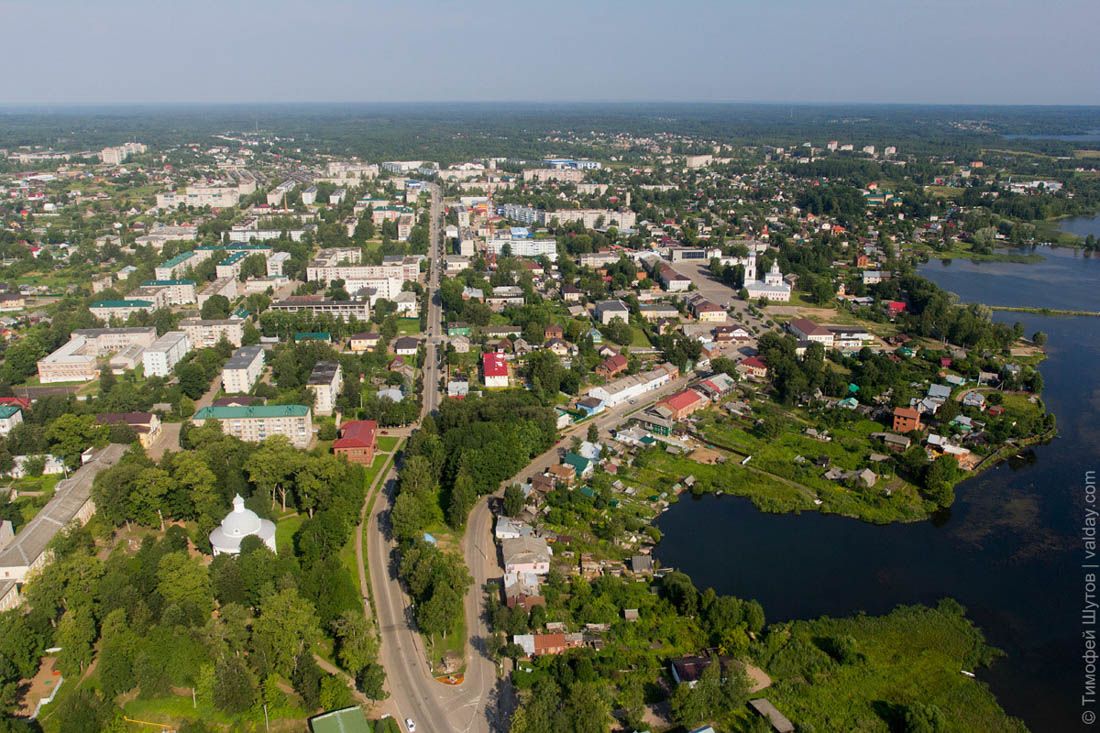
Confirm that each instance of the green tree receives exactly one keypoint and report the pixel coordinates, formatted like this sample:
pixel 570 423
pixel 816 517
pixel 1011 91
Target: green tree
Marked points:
pixel 513 500
pixel 287 623
pixel 75 635
pixel 355 647
pixel 193 380
pixel 182 581
pixel 234 689
pixel 216 307
pixel 71 434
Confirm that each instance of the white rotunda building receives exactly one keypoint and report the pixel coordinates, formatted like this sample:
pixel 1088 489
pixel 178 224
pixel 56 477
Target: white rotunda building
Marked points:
pixel 238 524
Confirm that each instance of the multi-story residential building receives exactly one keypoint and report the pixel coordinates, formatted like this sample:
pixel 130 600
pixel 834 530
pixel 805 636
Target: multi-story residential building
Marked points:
pixel 242 369
pixel 524 247
pixel 161 235
pixel 176 292
pixel 203 333
pixel 226 286
pixel 561 175
pixel 277 195
pixel 523 214
pixel 76 360
pixel 163 354
pixel 345 264
pixel 325 381
pixel 276 262
pixel 591 218
pixel 254 423
pixel 118 155
pixel 400 167
pixel 214 196
pixel 173 268
pixel 121 309
pixel 309 196
pixel 342 309
pixel 338 169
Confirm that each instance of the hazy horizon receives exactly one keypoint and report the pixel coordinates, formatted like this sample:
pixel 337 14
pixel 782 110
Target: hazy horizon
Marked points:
pixel 848 52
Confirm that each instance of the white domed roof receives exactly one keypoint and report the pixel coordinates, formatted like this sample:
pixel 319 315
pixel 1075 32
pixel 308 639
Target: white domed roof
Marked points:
pixel 237 525
pixel 240 522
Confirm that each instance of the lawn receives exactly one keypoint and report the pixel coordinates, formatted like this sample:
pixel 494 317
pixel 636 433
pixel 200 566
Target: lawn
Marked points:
pixel 386 443
pixel 284 717
pixel 640 338
pixel 408 326
pixel 455 643
pixel 284 532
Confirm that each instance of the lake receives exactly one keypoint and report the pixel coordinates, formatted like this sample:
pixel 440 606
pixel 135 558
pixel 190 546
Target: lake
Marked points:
pixel 1082 226
pixel 1009 549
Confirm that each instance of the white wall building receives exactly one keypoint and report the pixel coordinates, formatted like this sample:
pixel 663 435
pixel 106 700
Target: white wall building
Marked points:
pixel 242 369
pixel 164 353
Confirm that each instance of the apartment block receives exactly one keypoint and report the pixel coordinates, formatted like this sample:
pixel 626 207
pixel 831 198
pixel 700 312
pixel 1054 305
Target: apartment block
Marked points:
pixel 326 381
pixel 226 286
pixel 176 292
pixel 243 369
pixel 163 354
pixel 203 333
pixel 342 309
pixel 121 309
pixel 255 423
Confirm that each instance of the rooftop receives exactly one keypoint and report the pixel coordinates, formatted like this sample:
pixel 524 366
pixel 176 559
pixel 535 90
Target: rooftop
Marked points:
pixel 251 411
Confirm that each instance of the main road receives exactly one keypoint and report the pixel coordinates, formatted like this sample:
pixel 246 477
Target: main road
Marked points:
pixel 482 702
pixel 435 706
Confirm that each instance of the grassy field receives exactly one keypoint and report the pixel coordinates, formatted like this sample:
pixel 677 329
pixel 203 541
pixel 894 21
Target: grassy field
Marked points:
pixel 284 532
pixel 386 443
pixel 639 338
pixel 408 326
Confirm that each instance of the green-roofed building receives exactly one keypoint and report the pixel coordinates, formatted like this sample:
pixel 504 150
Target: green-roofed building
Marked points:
pixel 346 720
pixel 256 423
pixel 581 465
pixel 10 416
pixel 314 336
pixel 108 309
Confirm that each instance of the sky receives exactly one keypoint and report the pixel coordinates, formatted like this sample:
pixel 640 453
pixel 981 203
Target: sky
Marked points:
pixel 826 51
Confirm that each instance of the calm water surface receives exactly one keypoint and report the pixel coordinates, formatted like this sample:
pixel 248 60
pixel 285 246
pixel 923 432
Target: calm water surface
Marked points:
pixel 1010 549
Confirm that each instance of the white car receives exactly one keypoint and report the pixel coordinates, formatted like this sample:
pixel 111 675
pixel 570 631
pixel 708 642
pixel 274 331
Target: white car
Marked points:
pixel 410 725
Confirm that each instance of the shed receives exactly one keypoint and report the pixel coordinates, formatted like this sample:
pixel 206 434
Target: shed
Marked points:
pixel 768 712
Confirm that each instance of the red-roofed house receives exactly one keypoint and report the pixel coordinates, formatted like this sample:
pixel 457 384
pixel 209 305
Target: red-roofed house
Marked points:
pixel 683 403
pixel 906 419
pixel 894 307
pixel 612 366
pixel 495 369
pixel 358 441
pixel 753 366
pixel 21 402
